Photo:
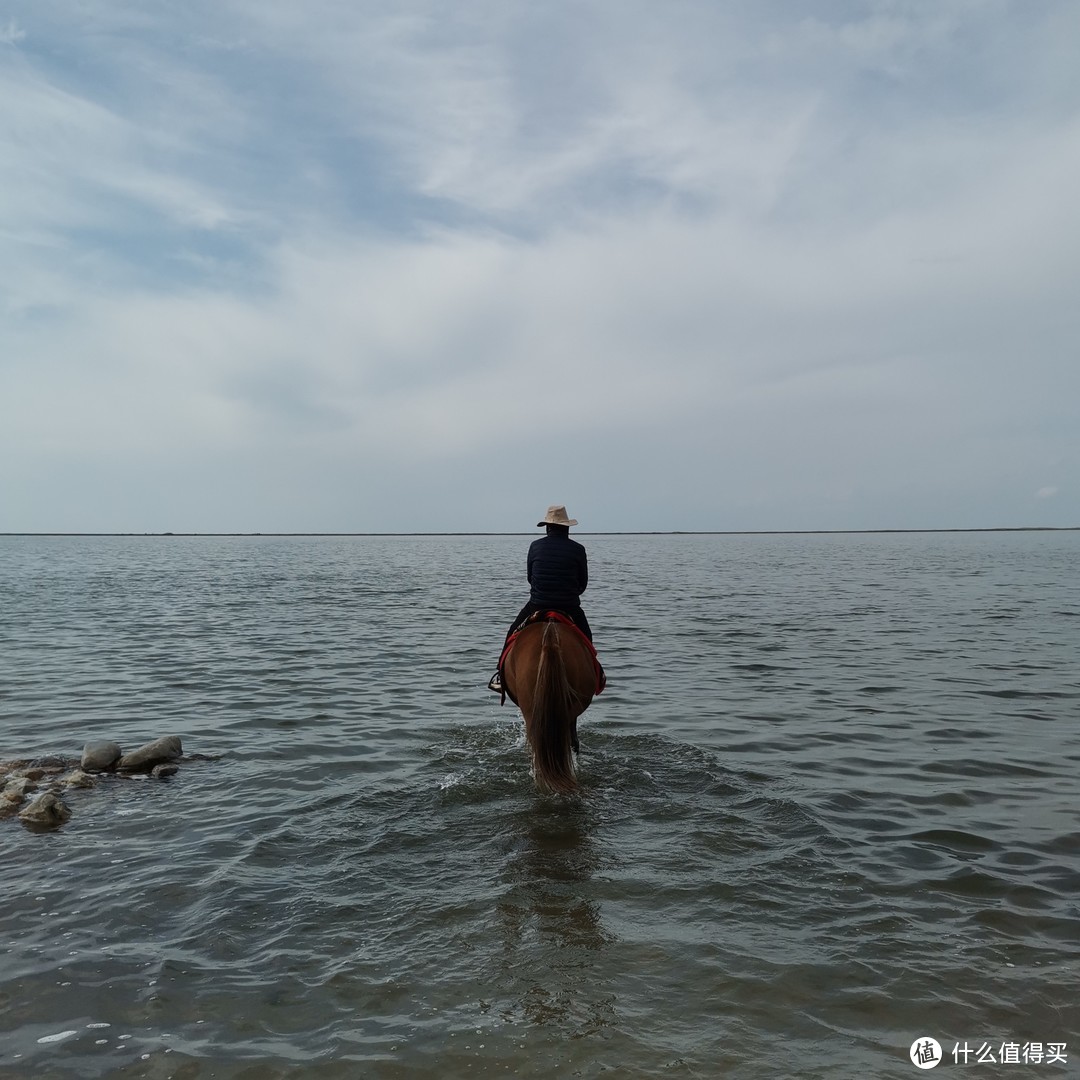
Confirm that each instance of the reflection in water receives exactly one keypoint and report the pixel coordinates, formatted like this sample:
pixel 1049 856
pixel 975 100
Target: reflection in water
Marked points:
pixel 554 940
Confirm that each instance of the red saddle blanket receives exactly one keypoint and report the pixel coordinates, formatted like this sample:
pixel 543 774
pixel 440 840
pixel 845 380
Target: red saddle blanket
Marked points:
pixel 553 616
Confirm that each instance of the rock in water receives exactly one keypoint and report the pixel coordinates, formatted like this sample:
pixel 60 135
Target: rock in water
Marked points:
pixel 98 756
pixel 52 763
pixel 46 810
pixel 153 753
pixel 161 771
pixel 18 786
pixel 78 778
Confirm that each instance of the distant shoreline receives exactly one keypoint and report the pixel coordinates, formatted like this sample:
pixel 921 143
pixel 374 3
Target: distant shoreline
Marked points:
pixel 585 532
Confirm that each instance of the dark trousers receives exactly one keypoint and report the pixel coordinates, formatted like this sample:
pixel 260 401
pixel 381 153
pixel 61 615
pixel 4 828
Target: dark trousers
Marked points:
pixel 574 613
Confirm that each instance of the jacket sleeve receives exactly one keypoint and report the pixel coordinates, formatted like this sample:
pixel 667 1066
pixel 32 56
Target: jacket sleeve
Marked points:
pixel 583 572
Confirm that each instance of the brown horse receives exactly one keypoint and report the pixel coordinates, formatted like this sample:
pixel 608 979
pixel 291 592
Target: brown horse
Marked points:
pixel 550 675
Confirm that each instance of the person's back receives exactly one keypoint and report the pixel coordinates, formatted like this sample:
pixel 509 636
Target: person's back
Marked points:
pixel 557 570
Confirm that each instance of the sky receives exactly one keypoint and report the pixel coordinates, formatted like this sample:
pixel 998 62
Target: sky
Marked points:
pixel 345 266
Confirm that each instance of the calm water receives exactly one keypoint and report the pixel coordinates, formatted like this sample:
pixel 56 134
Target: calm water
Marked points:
pixel 831 805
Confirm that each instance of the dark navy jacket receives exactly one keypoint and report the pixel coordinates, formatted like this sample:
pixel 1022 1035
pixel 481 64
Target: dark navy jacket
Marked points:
pixel 558 572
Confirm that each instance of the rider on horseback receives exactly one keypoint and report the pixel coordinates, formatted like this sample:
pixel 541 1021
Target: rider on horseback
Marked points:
pixel 558 573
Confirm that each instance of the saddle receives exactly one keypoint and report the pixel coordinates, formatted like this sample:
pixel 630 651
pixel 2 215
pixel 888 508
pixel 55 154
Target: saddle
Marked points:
pixel 545 616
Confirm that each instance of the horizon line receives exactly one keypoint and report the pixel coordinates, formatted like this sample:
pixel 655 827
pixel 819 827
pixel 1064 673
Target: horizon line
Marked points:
pixel 601 532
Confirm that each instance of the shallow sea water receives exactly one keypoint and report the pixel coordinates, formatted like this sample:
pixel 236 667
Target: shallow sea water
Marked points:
pixel 830 805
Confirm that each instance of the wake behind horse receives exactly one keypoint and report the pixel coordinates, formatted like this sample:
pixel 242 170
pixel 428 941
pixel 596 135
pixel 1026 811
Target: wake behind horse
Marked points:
pixel 550 672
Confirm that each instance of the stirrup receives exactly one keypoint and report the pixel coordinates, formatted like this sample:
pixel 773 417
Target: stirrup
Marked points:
pixel 495 683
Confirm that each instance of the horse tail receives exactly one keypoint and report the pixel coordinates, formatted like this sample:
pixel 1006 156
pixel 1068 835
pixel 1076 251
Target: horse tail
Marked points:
pixel 553 718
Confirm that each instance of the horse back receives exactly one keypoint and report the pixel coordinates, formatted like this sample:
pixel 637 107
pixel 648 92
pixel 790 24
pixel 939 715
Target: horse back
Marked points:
pixel 539 645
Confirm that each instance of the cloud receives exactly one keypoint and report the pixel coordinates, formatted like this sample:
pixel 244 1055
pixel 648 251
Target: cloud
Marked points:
pixel 766 270
pixel 11 34
pixel 1046 492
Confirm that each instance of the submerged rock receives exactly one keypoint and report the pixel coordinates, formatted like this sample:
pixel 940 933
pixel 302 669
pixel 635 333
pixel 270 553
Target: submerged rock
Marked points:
pixel 161 771
pixel 18 786
pixel 78 779
pixel 152 753
pixel 52 763
pixel 47 810
pixel 99 756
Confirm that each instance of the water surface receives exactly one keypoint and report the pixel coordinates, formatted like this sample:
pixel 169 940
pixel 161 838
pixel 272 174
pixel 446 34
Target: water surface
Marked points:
pixel 830 805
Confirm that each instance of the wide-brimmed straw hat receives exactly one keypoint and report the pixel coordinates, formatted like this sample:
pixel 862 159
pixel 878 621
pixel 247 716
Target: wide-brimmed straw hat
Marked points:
pixel 556 515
